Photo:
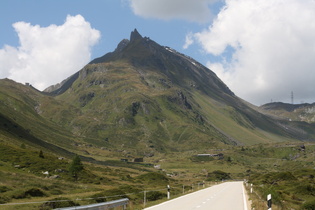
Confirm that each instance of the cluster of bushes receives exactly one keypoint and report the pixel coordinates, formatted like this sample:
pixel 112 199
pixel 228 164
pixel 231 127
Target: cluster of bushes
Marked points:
pixel 7 194
pixel 288 189
pixel 135 194
pixel 34 161
pixel 60 202
pixel 153 179
pixel 4 198
pixel 37 162
pixel 218 176
pixel 309 205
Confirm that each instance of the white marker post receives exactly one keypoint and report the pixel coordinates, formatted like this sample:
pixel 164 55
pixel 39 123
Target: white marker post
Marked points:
pixel 144 198
pixel 168 192
pixel 269 202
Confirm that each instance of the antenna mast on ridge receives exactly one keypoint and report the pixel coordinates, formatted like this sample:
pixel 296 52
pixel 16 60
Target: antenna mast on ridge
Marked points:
pixel 292 101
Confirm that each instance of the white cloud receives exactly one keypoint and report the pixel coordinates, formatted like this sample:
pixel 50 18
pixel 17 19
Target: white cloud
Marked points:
pixel 273 49
pixel 48 55
pixel 188 40
pixel 192 10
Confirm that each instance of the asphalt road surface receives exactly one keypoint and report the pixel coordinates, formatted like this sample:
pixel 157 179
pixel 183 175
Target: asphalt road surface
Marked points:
pixel 225 196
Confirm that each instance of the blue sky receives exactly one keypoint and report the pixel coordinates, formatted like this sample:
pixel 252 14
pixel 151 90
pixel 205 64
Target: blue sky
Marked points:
pixel 113 18
pixel 255 47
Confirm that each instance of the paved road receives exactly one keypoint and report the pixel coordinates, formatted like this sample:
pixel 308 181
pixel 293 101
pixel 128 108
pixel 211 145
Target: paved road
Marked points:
pixel 225 196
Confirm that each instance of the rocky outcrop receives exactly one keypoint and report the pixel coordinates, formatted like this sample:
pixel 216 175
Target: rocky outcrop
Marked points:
pixel 135 35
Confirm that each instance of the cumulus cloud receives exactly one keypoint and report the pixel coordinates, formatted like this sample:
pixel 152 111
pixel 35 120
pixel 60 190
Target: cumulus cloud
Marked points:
pixel 191 10
pixel 189 40
pixel 271 46
pixel 48 55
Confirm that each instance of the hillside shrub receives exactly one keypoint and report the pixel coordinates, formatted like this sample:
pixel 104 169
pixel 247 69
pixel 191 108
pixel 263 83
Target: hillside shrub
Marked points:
pixel 32 192
pixel 129 189
pixel 4 189
pixel 308 205
pixel 274 177
pixel 153 178
pixel 305 189
pixel 155 195
pixel 276 196
pixel 41 154
pixel 108 195
pixel 218 175
pixel 60 202
pixel 4 199
pixel 76 167
pixel 283 176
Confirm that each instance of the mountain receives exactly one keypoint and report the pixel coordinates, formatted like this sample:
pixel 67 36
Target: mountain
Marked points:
pixel 141 99
pixel 292 112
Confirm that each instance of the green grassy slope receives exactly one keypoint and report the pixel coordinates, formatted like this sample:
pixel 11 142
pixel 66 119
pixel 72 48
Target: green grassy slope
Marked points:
pixel 236 125
pixel 134 109
pixel 20 108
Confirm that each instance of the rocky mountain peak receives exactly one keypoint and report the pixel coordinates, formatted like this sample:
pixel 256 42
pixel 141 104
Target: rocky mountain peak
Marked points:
pixel 135 35
pixel 144 53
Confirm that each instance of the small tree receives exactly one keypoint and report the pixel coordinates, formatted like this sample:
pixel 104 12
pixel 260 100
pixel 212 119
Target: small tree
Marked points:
pixel 41 154
pixel 76 166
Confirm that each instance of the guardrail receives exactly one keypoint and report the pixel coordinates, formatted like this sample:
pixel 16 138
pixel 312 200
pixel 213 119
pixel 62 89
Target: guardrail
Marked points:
pixel 105 205
pixel 97 206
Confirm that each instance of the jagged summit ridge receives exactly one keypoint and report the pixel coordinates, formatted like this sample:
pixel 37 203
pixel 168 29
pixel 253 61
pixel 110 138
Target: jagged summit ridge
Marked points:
pixel 144 53
pixel 135 35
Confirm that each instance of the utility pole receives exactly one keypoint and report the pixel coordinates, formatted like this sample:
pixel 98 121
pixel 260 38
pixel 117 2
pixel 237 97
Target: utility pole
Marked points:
pixel 292 101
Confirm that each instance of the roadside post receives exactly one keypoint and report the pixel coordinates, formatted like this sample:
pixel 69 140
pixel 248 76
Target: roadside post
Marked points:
pixel 168 192
pixel 144 198
pixel 269 202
